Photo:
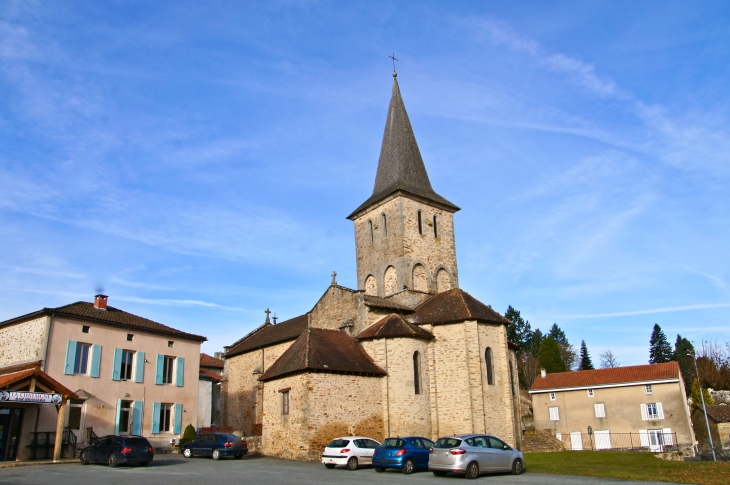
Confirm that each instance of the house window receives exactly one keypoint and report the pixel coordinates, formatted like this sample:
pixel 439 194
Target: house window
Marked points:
pixel 130 337
pixel 285 402
pixel 552 396
pixel 651 411
pixel 74 413
pixel 600 410
pixel 420 223
pixel 84 329
pixel 417 372
pixel 125 416
pixel 648 389
pixel 435 227
pixel 167 366
pixel 554 413
pixel 590 392
pixel 165 417
pixel 170 343
pixel 81 364
pixel 385 225
pixel 127 360
pixel 488 363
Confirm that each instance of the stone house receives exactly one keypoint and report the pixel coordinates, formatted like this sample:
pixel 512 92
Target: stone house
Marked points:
pixel 631 407
pixel 718 417
pixel 129 374
pixel 209 390
pixel 407 352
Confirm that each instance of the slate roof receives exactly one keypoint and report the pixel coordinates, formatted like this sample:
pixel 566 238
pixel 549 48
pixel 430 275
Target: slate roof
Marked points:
pixel 393 326
pixel 401 167
pixel 320 350
pixel 720 413
pixel 210 361
pixel 113 317
pixel 378 302
pixel 617 375
pixel 270 334
pixel 16 373
pixel 452 306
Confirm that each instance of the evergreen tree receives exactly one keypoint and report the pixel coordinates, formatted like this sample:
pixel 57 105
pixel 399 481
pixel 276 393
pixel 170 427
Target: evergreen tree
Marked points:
pixel 659 349
pixel 549 356
pixel 567 351
pixel 518 331
pixel 188 435
pixel 535 341
pixel 557 334
pixel 683 354
pixel 696 400
pixel 585 358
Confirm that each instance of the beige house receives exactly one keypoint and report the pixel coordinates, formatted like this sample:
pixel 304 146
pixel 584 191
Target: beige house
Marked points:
pixel 635 407
pixel 130 375
pixel 406 353
pixel 209 390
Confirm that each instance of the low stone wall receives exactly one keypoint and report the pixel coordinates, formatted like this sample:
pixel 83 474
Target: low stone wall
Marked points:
pixel 541 441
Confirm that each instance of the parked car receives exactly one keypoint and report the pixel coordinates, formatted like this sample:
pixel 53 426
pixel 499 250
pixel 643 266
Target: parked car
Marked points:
pixel 352 451
pixel 407 454
pixel 118 450
pixel 216 445
pixel 472 454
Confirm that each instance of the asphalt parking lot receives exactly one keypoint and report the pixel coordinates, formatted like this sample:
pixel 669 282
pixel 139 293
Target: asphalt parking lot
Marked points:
pixel 174 469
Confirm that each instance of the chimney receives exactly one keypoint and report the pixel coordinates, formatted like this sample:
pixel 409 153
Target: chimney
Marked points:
pixel 100 302
pixel 543 373
pixel 217 355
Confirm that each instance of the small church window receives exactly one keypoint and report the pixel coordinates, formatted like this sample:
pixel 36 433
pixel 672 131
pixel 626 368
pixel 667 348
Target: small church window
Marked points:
pixel 370 225
pixel 435 228
pixel 488 363
pixel 417 372
pixel 385 225
pixel 420 223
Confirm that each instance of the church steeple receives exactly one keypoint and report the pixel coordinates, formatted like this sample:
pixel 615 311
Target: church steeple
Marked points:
pixel 400 167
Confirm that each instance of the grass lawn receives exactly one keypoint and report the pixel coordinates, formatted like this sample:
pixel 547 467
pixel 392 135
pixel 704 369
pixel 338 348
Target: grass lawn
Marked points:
pixel 628 466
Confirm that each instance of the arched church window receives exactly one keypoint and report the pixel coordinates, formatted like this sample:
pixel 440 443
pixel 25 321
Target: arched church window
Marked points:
pixel 488 363
pixel 385 225
pixel 435 227
pixel 370 226
pixel 417 372
pixel 420 223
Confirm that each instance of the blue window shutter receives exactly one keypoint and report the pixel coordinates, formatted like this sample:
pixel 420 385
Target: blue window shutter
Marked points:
pixel 139 370
pixel 119 416
pixel 180 374
pixel 137 418
pixel 155 418
pixel 160 366
pixel 70 357
pixel 117 365
pixel 95 360
pixel 178 419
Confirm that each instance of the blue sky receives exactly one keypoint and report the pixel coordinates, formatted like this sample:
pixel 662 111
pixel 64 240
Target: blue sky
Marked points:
pixel 196 160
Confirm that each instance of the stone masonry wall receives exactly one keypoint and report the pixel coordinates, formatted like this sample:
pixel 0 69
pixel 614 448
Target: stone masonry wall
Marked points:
pixel 335 306
pixel 322 406
pixel 23 342
pixel 240 400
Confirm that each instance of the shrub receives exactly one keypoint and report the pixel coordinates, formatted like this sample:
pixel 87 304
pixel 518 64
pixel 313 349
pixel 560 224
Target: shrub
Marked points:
pixel 188 435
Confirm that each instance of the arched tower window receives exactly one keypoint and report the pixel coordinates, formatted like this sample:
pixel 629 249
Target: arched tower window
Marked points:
pixel 488 363
pixel 390 281
pixel 370 285
pixel 435 227
pixel 420 223
pixel 417 372
pixel 370 226
pixel 385 225
pixel 420 282
pixel 443 281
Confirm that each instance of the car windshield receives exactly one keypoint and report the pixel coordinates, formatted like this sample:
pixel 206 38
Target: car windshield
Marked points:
pixel 338 444
pixel 137 442
pixel 394 443
pixel 229 437
pixel 447 443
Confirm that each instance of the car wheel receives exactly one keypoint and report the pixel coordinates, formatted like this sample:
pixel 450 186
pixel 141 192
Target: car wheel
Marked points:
pixel 352 463
pixel 216 454
pixel 439 473
pixel 472 471
pixel 408 467
pixel 237 457
pixel 518 467
pixel 379 469
pixel 83 459
pixel 329 465
pixel 188 453
pixel 113 462
pixel 144 463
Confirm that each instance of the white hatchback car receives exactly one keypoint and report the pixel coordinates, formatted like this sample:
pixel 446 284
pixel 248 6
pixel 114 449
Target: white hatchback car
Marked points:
pixel 351 451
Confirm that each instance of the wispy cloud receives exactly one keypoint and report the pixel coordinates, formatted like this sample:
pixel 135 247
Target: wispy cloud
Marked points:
pixel 702 306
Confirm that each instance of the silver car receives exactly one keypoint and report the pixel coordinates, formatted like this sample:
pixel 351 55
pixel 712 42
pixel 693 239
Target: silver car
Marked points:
pixel 472 454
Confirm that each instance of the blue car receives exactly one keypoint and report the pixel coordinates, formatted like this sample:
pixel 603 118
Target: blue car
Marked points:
pixel 408 454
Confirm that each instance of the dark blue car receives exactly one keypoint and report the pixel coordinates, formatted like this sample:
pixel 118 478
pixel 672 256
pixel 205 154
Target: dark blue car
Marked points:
pixel 216 445
pixel 408 454
pixel 118 450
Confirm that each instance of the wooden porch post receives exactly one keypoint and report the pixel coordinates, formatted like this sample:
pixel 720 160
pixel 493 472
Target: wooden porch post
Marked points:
pixel 58 448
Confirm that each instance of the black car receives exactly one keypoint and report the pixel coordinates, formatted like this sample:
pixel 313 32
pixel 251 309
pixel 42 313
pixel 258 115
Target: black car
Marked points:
pixel 216 445
pixel 117 450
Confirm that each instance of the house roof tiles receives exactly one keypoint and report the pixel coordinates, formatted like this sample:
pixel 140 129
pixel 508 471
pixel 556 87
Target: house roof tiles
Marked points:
pixel 210 361
pixel 720 413
pixel 452 306
pixel 617 375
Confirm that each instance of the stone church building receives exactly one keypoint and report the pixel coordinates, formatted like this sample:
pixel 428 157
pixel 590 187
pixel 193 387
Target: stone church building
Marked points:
pixel 406 353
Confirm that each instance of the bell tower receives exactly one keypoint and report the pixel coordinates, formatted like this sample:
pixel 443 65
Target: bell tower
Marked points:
pixel 404 233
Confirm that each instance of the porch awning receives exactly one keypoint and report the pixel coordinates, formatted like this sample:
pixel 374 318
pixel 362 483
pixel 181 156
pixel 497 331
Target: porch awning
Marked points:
pixel 30 377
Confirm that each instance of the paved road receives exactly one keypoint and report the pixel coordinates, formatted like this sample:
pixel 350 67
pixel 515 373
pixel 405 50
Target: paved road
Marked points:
pixel 174 469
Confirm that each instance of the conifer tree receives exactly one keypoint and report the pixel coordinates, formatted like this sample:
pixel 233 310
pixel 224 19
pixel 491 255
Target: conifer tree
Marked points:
pixel 567 351
pixel 659 349
pixel 585 358
pixel 519 330
pixel 696 400
pixel 549 356
pixel 684 355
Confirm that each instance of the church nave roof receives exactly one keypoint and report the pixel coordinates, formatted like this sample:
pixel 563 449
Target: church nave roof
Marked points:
pixel 269 334
pixel 393 326
pixel 454 306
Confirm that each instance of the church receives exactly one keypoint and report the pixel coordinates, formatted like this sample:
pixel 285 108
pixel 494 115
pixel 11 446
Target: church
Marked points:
pixel 406 353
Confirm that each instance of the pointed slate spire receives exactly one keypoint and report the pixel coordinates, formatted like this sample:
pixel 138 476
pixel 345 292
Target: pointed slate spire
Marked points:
pixel 400 166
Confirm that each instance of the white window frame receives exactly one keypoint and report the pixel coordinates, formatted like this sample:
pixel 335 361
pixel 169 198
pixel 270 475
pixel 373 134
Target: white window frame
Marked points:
pixel 168 370
pixel 554 413
pixel 657 415
pixel 127 366
pixel 553 397
pixel 599 410
pixel 166 417
pixel 648 390
pixel 81 363
pixel 590 393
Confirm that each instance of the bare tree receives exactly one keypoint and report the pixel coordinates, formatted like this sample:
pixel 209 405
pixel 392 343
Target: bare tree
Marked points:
pixel 608 360
pixel 713 361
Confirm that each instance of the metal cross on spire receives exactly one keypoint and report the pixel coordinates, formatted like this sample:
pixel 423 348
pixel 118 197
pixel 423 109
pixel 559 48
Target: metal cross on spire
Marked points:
pixel 392 56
